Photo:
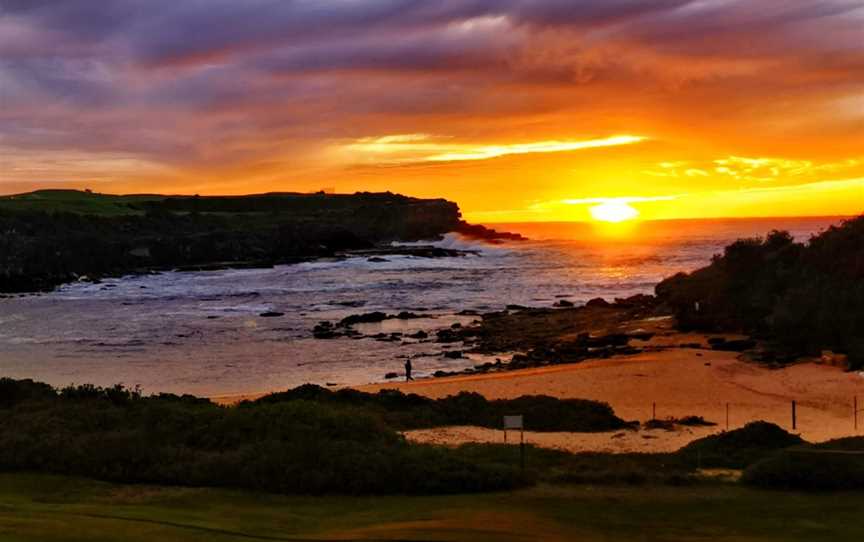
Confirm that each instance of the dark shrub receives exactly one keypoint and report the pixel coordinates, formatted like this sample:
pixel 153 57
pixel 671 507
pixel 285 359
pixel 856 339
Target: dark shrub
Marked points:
pixel 410 411
pixel 695 421
pixel 805 297
pixel 307 444
pixel 834 465
pixel 740 447
pixel 13 392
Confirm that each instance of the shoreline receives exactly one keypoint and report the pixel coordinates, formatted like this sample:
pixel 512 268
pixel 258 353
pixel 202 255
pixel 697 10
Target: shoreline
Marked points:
pixel 678 382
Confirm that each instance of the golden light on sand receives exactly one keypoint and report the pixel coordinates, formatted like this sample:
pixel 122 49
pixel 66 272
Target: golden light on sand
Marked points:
pixel 613 211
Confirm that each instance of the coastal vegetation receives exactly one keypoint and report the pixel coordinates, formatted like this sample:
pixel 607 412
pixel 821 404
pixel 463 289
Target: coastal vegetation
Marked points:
pixel 313 441
pixel 410 411
pixel 742 447
pixel 307 440
pixel 834 465
pixel 805 297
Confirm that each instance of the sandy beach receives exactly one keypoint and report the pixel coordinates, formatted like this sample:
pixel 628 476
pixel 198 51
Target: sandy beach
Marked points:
pixel 680 381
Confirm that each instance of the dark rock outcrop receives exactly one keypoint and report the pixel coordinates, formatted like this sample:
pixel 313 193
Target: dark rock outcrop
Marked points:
pixel 477 231
pixel 367 318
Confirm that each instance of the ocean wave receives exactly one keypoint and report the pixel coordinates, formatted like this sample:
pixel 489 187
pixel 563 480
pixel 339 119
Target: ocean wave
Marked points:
pixel 454 241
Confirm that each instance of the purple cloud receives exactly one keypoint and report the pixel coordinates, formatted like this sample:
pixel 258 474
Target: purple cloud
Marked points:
pixel 174 79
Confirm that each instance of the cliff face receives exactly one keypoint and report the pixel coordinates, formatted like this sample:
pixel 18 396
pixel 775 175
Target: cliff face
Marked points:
pixel 54 237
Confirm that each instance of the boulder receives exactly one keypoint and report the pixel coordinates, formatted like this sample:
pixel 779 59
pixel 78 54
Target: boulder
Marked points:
pixel 734 345
pixel 324 330
pixel 638 300
pixel 448 336
pixel 369 317
pixel 641 335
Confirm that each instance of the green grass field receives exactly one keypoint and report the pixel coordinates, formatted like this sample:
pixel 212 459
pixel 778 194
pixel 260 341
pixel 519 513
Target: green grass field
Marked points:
pixel 74 201
pixel 52 508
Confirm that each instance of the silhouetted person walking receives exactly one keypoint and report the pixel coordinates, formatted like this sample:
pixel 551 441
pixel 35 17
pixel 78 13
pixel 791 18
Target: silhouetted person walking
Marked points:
pixel 408 370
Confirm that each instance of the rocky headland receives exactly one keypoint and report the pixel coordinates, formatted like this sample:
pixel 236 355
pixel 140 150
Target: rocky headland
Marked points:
pixel 51 237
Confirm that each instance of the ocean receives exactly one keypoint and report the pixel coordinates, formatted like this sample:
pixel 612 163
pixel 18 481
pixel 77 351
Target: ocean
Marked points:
pixel 202 333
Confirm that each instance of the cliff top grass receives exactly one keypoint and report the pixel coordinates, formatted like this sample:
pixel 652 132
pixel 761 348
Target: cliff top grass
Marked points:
pixel 92 203
pixel 75 201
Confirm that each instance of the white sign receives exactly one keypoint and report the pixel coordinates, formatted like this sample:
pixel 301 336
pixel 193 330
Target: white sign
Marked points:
pixel 513 422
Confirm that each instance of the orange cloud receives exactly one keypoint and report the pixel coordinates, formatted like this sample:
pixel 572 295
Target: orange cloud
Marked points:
pixel 231 98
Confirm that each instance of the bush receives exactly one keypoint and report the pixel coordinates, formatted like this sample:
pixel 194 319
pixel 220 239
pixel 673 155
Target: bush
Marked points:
pixel 411 411
pixel 835 465
pixel 298 445
pixel 741 447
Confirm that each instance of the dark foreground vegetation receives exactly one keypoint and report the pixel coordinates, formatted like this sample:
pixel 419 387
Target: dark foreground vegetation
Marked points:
pixel 54 236
pixel 411 411
pixel 806 297
pixel 742 447
pixel 833 465
pixel 303 441
pixel 772 458
pixel 313 441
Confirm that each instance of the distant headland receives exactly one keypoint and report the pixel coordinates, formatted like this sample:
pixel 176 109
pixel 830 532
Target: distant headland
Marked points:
pixel 50 237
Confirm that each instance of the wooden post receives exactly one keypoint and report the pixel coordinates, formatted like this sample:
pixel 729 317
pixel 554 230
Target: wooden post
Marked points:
pixel 727 416
pixel 522 449
pixel 794 416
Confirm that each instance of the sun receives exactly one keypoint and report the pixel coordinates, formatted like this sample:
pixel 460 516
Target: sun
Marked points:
pixel 613 211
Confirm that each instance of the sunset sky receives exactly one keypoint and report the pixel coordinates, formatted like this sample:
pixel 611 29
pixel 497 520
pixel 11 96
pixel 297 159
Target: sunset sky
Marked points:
pixel 518 110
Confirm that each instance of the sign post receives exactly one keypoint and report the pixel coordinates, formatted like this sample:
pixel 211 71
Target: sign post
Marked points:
pixel 855 411
pixel 794 416
pixel 516 422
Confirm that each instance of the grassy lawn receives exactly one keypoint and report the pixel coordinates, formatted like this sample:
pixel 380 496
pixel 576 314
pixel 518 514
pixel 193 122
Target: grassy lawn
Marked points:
pixel 74 201
pixel 49 508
